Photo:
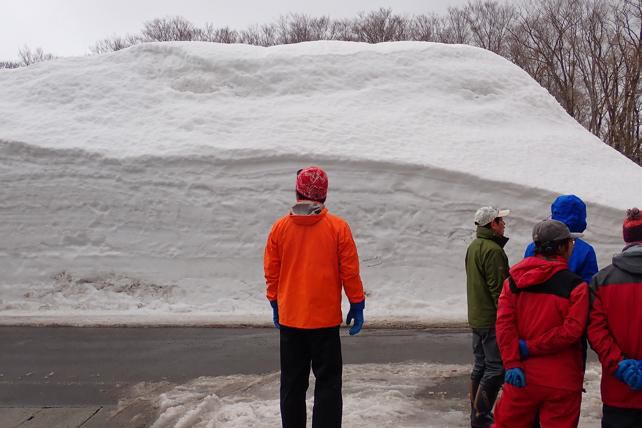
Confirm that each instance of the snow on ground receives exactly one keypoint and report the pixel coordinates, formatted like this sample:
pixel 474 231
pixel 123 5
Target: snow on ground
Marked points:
pixel 139 186
pixel 405 395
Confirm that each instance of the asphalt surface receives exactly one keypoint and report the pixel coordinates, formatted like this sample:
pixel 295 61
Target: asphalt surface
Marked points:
pixel 65 366
pixel 76 377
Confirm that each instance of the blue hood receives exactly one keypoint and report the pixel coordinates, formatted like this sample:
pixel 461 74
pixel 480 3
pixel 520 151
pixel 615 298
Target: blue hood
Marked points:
pixel 570 210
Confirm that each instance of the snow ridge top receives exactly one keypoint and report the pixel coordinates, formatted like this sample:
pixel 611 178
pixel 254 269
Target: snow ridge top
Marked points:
pixel 453 107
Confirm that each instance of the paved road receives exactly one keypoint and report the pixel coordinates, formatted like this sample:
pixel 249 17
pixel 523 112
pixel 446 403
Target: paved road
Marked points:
pixel 64 376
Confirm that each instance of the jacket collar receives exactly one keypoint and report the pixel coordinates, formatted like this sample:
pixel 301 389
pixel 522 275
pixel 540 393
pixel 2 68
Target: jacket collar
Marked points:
pixel 486 233
pixel 306 208
pixel 630 259
pixel 307 214
pixel 536 270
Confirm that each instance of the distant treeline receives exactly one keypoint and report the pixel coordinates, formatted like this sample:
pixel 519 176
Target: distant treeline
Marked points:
pixel 586 53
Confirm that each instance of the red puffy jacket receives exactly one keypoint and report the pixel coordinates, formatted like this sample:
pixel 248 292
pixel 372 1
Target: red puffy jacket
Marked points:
pixel 615 330
pixel 547 305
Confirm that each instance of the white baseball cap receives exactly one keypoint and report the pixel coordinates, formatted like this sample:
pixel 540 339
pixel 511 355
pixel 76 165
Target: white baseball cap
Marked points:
pixel 485 215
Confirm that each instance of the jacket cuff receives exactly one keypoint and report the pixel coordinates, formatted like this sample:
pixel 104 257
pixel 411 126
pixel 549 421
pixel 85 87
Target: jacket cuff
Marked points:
pixel 533 349
pixel 611 366
pixel 354 289
pixel 513 365
pixel 358 305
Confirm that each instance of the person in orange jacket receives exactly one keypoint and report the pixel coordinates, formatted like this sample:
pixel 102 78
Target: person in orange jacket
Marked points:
pixel 309 257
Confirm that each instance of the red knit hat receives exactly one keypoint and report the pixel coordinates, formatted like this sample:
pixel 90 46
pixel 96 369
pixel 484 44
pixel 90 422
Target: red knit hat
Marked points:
pixel 312 182
pixel 632 227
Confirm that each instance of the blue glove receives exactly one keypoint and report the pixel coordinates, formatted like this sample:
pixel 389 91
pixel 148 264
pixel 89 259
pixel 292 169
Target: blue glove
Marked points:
pixel 515 377
pixel 638 385
pixel 624 367
pixel 275 313
pixel 634 380
pixel 630 372
pixel 523 349
pixel 356 313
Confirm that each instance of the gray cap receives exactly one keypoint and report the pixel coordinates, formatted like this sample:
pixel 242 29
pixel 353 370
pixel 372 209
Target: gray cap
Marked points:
pixel 552 230
pixel 485 215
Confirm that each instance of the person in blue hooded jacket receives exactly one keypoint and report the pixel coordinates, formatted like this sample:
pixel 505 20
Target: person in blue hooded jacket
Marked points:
pixel 571 210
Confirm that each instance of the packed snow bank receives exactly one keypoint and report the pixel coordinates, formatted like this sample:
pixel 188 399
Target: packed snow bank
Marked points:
pixel 139 186
pixel 384 395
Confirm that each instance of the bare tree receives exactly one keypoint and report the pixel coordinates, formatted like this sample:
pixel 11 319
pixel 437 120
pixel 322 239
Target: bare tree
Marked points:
pixel 624 110
pixel 380 26
pixel 426 28
pixel 321 28
pixel 296 28
pixel 593 66
pixel 587 54
pixel 115 43
pixel 169 29
pixel 29 56
pixel 550 36
pixel 489 23
pixel 343 29
pixel 265 35
pixel 456 28
pixel 9 64
pixel 218 35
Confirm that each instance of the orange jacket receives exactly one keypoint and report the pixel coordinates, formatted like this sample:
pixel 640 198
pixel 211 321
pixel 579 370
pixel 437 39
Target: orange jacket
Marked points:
pixel 308 258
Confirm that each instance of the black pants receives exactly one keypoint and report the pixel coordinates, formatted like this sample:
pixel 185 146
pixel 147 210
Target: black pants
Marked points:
pixel 617 417
pixel 321 349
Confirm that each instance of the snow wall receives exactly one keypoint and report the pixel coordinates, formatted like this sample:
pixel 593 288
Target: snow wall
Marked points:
pixel 139 186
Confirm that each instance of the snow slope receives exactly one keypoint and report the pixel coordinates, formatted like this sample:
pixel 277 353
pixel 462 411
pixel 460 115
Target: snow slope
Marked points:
pixel 139 186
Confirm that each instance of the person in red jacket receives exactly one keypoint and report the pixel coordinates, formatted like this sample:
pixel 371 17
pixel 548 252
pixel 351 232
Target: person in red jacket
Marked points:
pixel 615 329
pixel 310 256
pixel 541 317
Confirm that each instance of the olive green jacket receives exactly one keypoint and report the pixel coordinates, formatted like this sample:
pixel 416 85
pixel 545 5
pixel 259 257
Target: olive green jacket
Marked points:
pixel 486 270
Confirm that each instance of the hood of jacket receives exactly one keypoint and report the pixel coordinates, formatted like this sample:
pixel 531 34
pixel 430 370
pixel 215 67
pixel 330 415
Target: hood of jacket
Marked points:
pixel 536 270
pixel 486 233
pixel 570 210
pixel 630 260
pixel 307 213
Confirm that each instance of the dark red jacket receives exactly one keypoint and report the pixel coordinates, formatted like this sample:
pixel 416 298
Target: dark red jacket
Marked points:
pixel 547 305
pixel 615 329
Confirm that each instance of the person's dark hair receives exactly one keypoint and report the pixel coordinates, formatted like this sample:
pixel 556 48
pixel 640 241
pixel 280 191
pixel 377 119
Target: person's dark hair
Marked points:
pixel 305 198
pixel 552 248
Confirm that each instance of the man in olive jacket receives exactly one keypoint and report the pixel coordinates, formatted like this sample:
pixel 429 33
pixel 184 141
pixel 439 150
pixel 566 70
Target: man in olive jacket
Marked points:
pixel 486 270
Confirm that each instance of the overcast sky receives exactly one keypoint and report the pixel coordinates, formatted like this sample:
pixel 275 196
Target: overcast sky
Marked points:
pixel 69 27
